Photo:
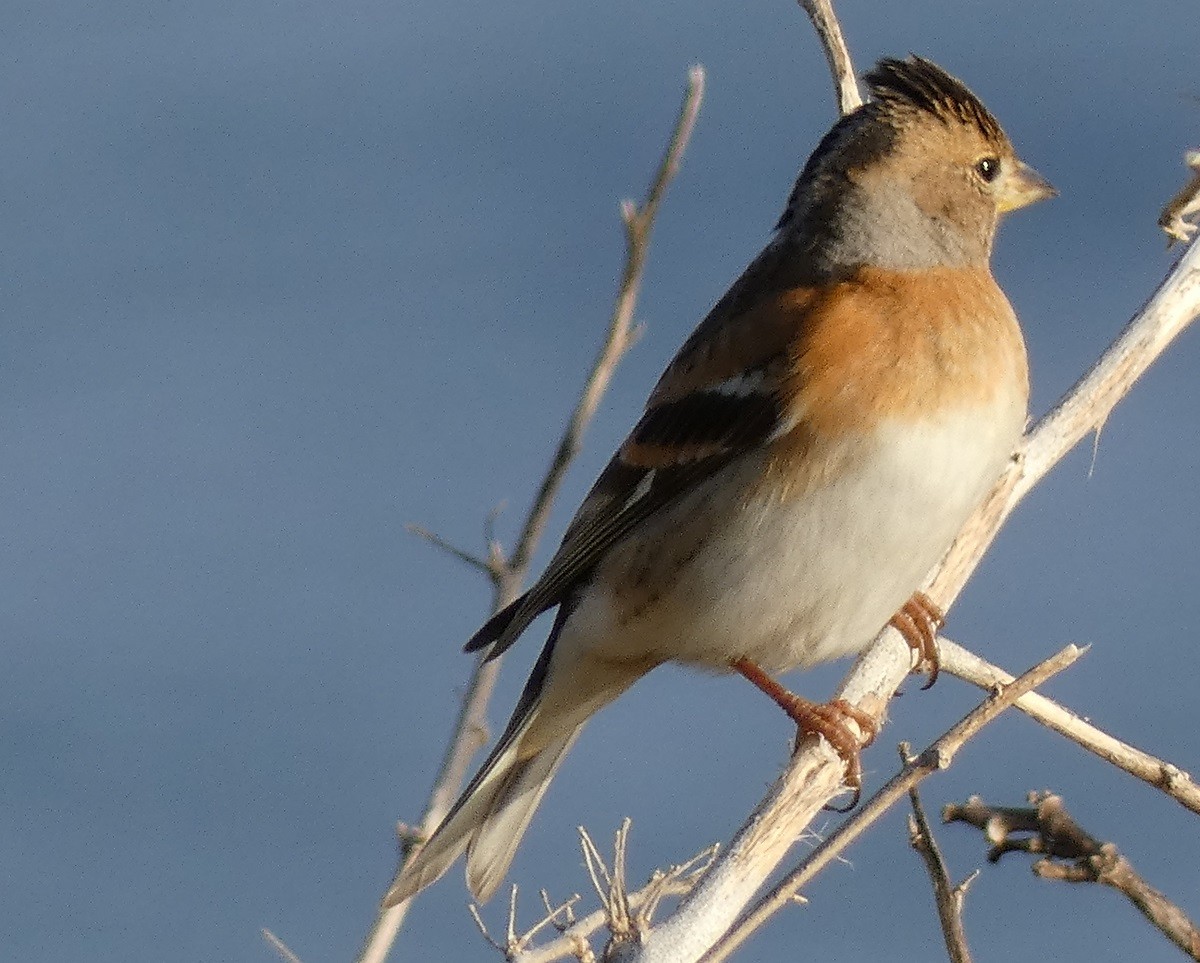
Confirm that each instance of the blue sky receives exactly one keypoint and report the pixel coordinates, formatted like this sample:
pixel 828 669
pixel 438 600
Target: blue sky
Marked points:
pixel 280 278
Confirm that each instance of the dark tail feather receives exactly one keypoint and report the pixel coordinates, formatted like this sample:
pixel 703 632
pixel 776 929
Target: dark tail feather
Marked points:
pixel 504 793
pixel 489 819
pixel 494 627
pixel 503 628
pixel 493 812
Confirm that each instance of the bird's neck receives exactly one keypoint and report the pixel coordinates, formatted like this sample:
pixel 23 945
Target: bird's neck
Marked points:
pixel 848 228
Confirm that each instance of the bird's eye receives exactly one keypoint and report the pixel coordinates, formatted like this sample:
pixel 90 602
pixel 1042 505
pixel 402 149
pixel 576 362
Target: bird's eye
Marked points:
pixel 988 168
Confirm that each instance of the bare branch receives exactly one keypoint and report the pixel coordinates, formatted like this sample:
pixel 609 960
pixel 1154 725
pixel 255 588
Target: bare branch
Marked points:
pixel 947 897
pixel 621 919
pixel 511 929
pixel 597 872
pixel 572 943
pixel 508 579
pixel 1053 832
pixel 737 878
pixel 483 565
pixel 829 31
pixel 1157 772
pixel 516 943
pixel 639 221
pixel 483 930
pixel 563 909
pixel 279 947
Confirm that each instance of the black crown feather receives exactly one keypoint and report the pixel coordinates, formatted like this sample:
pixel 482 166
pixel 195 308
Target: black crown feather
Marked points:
pixel 857 139
pixel 921 84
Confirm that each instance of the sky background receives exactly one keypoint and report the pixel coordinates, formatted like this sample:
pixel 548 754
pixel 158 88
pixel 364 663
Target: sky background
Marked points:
pixel 279 278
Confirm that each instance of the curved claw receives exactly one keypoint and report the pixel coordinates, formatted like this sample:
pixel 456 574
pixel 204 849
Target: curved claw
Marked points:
pixel 919 620
pixel 826 719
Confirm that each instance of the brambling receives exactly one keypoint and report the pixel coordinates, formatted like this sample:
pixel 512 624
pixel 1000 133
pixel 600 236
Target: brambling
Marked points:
pixel 804 461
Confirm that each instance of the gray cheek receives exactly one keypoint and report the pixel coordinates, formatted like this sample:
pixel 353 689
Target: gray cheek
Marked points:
pixel 888 229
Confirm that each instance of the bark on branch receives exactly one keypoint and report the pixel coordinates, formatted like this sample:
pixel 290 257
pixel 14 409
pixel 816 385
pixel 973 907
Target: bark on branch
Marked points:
pixel 1074 856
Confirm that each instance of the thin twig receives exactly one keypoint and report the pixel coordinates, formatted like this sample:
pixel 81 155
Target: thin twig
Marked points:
pixel 845 83
pixel 508 578
pixel 937 756
pixel 1072 855
pixel 596 869
pixel 639 222
pixel 621 919
pixel 279 947
pixel 511 928
pixel 675 881
pixel 1159 773
pixel 483 930
pixel 552 914
pixel 947 897
pixel 482 564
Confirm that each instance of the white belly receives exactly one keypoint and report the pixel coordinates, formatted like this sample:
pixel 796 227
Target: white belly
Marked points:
pixel 792 582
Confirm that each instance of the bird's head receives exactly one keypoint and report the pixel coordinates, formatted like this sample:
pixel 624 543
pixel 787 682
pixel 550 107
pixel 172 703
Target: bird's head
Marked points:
pixel 916 177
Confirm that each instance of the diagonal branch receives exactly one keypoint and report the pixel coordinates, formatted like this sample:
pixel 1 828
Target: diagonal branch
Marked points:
pixel 743 875
pixel 508 576
pixel 814 775
pixel 1159 773
pixel 845 83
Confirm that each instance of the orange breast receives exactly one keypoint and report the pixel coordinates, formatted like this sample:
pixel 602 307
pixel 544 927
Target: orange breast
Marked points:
pixel 884 345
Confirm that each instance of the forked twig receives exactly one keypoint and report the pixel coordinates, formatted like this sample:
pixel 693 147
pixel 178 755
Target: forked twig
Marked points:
pixel 638 907
pixel 1071 855
pixel 947 897
pixel 1159 773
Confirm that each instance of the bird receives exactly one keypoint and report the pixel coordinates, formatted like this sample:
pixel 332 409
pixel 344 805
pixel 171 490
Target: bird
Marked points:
pixel 802 463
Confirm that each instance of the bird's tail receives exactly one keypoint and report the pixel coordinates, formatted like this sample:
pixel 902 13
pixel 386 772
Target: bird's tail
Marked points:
pixel 492 814
pixel 489 818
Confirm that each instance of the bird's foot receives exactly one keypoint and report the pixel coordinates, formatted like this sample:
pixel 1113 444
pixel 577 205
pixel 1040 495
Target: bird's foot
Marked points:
pixel 919 620
pixel 827 719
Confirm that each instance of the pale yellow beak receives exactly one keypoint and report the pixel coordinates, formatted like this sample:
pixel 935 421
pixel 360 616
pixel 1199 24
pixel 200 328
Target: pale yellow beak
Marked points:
pixel 1022 187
